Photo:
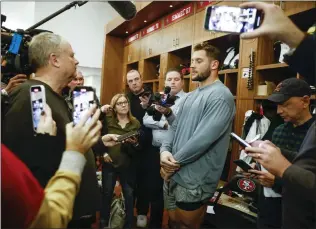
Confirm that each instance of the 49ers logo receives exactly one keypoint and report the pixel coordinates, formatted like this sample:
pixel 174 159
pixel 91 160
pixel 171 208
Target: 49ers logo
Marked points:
pixel 278 87
pixel 246 185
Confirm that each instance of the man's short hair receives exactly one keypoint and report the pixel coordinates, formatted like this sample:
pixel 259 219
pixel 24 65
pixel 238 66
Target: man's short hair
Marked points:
pixel 41 46
pixel 212 52
pixel 174 70
pixel 134 70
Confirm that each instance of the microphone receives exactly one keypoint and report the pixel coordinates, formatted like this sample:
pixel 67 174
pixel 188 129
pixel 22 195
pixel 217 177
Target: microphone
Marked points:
pixel 157 96
pixel 167 90
pixel 126 9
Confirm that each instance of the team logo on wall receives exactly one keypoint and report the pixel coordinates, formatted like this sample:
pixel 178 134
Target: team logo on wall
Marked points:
pixel 246 185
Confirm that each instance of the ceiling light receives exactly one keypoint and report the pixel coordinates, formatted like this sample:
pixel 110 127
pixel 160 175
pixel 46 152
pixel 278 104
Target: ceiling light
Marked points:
pixel 126 32
pixel 171 5
pixel 145 21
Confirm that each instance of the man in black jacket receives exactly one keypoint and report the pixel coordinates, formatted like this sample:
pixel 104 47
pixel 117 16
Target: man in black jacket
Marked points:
pixel 298 176
pixel 53 61
pixel 144 178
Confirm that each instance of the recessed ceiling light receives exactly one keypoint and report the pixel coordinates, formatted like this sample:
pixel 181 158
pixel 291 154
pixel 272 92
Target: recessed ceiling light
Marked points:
pixel 145 21
pixel 171 5
pixel 126 32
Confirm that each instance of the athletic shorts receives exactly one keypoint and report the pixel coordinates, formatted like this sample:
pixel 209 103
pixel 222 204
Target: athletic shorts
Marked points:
pixel 176 196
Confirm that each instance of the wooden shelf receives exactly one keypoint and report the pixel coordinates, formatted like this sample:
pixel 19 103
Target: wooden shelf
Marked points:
pixel 261 97
pixel 227 71
pixel 271 66
pixel 151 81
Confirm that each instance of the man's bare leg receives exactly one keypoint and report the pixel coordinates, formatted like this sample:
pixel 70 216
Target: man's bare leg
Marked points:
pixel 190 219
pixel 172 222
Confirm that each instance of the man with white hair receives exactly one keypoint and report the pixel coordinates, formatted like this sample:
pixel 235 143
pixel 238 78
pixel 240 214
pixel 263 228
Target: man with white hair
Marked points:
pixel 77 81
pixel 54 65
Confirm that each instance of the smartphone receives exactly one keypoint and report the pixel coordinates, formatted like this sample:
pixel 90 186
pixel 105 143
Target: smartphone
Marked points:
pixel 127 135
pixel 83 99
pixel 232 19
pixel 242 164
pixel 241 141
pixel 38 100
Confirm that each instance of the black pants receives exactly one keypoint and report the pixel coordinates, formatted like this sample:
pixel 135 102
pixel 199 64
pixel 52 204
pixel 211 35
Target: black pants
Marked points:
pixel 150 187
pixel 270 212
pixel 83 222
pixel 109 177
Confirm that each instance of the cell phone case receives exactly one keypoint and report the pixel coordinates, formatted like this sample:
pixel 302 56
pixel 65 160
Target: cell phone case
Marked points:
pixel 127 135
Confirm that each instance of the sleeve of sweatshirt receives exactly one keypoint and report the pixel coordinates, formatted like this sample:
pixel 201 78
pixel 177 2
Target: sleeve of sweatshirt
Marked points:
pixel 168 139
pixel 301 180
pixel 57 206
pixel 215 121
pixel 303 59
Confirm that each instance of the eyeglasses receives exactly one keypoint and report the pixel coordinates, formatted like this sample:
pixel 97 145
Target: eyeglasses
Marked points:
pixel 122 103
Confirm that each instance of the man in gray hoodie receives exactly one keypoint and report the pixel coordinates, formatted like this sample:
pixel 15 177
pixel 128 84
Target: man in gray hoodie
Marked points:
pixel 194 151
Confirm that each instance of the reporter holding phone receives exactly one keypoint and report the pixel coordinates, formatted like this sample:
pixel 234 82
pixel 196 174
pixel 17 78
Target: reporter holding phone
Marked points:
pixel 119 160
pixel 26 203
pixel 53 61
pixel 299 175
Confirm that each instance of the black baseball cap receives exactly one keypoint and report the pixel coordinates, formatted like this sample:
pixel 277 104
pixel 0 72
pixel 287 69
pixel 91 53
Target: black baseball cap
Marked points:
pixel 288 88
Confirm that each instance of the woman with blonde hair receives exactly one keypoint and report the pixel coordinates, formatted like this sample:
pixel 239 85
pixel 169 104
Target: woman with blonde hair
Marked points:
pixel 118 161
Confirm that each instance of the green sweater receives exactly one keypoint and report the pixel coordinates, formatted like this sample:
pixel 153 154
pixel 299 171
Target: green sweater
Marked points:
pixel 121 154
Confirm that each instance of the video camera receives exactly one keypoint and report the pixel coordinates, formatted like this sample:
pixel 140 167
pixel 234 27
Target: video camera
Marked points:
pixel 15 44
pixel 163 99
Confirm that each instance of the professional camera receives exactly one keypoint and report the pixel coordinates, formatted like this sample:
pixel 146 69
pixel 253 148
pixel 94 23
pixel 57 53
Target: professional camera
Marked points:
pixel 14 51
pixel 163 99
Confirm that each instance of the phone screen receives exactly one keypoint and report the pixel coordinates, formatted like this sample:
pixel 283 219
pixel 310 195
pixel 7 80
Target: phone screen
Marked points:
pixel 38 99
pixel 231 19
pixel 83 99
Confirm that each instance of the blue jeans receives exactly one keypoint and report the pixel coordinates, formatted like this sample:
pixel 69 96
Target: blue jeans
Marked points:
pixel 109 177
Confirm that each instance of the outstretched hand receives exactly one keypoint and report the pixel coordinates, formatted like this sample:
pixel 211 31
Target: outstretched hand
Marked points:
pixel 276 25
pixel 270 157
pixel 85 133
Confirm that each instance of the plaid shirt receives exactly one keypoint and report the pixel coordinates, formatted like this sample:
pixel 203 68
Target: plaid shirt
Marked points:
pixel 289 138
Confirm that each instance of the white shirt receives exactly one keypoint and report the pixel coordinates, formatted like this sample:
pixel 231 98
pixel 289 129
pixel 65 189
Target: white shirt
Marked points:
pixel 158 126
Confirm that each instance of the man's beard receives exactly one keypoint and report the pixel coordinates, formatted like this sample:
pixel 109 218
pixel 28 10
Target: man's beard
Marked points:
pixel 202 76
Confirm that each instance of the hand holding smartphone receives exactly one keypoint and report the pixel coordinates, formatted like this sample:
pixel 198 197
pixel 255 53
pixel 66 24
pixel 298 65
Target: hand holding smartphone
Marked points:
pixel 83 99
pixel 231 19
pixel 128 135
pixel 38 100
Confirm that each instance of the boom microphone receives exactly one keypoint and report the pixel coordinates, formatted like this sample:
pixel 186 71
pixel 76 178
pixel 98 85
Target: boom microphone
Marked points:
pixel 125 8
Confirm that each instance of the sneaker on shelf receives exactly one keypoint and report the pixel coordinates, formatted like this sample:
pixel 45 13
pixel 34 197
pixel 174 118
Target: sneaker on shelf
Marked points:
pixel 141 221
